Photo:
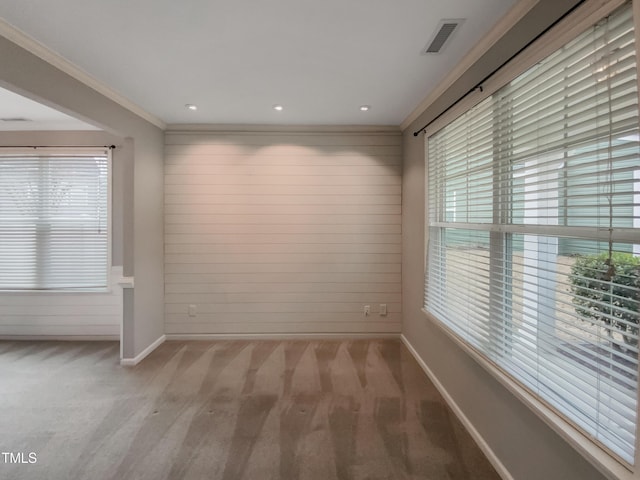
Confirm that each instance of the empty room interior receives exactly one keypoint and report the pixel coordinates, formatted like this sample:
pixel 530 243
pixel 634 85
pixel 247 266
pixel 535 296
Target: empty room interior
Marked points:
pixel 319 240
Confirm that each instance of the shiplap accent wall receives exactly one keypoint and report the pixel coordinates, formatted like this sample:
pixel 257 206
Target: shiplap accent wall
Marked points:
pixel 282 232
pixel 69 314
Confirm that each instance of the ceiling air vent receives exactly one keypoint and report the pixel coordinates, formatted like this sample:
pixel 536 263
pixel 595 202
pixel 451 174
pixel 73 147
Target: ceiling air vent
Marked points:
pixel 442 35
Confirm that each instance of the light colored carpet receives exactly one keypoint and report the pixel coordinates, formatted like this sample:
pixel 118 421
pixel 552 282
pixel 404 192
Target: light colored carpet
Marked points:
pixel 228 410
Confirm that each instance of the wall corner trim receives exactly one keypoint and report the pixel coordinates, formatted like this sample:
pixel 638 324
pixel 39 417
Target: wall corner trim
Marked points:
pixel 486 449
pixel 132 362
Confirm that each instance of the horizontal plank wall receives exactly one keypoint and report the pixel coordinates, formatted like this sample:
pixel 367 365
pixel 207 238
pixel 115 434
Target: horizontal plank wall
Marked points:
pixel 70 314
pixel 282 232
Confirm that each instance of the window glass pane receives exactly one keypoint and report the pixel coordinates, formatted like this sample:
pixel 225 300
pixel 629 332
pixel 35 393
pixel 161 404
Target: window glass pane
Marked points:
pixel 463 280
pixel 53 221
pixel 465 180
pixel 573 335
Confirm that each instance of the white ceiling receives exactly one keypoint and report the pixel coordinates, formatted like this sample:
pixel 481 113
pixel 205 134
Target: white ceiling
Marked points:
pixel 321 60
pixel 33 115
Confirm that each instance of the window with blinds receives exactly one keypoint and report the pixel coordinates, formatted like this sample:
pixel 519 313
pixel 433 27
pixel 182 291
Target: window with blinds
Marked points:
pixel 534 231
pixel 54 219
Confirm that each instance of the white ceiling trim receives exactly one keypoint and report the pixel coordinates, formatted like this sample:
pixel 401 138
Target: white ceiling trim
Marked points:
pixel 503 25
pixel 30 44
pixel 287 129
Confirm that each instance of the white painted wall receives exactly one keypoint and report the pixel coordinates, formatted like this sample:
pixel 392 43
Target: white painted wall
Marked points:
pixel 282 232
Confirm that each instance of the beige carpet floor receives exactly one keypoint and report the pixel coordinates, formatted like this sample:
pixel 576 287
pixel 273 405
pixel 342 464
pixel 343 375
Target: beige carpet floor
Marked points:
pixel 318 410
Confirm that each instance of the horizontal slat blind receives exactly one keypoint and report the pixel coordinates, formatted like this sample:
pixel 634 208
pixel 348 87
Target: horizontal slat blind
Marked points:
pixel 533 199
pixel 53 219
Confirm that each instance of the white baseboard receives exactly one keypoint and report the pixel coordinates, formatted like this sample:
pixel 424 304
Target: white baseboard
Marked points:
pixel 62 338
pixel 281 336
pixel 132 362
pixel 491 456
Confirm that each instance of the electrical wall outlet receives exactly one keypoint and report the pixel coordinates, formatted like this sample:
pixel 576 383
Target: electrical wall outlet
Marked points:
pixel 383 310
pixel 193 310
pixel 367 310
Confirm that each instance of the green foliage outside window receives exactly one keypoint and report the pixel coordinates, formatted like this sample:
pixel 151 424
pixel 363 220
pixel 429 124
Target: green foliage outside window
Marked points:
pixel 607 292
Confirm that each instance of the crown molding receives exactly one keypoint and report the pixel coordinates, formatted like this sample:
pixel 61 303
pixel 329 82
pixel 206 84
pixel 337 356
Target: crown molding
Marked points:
pixel 503 25
pixel 41 51
pixel 193 128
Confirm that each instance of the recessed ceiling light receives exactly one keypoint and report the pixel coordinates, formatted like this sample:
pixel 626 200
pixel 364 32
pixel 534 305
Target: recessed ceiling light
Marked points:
pixel 365 108
pixel 279 108
pixel 190 106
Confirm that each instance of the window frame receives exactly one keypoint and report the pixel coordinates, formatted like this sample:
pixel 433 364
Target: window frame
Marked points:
pixel 566 30
pixel 71 151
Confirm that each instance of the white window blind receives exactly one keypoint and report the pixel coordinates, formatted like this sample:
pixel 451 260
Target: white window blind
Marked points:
pixel 534 231
pixel 54 219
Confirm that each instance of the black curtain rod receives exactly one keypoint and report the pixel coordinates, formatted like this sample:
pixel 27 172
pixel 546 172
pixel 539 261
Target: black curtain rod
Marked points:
pixel 110 147
pixel 479 84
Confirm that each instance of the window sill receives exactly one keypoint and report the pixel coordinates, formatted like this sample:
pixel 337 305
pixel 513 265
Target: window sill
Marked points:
pixel 606 464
